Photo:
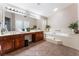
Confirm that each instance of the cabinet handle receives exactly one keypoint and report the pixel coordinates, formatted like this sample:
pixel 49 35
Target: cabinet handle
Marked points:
pixel 13 40
pixel 0 47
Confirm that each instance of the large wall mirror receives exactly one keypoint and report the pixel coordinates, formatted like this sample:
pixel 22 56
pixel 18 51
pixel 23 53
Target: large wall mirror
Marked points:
pixel 16 22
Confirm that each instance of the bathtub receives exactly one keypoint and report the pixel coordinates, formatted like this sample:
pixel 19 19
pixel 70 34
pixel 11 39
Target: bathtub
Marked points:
pixel 56 37
pixel 53 40
pixel 70 40
pixel 57 34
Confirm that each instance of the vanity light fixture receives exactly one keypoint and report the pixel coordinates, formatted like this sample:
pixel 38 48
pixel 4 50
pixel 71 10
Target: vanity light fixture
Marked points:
pixel 38 3
pixel 14 10
pixel 55 9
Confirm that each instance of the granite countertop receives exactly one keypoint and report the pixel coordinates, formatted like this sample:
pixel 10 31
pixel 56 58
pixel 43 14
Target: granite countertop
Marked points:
pixel 18 32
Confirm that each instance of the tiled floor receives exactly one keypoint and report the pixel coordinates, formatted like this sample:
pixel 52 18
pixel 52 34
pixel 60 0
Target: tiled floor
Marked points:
pixel 44 48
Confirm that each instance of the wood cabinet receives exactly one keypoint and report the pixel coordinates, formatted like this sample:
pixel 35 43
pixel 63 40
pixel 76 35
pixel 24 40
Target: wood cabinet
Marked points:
pixel 7 44
pixel 12 42
pixel 37 36
pixel 0 47
pixel 19 41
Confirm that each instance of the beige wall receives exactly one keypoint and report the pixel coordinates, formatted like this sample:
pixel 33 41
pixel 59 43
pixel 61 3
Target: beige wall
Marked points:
pixel 62 19
pixel 1 19
pixel 78 14
pixel 41 23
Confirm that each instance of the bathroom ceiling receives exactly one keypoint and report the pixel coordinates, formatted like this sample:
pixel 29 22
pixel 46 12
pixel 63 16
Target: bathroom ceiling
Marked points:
pixel 45 9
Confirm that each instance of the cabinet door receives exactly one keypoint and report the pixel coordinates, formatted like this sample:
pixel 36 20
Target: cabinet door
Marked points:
pixel 19 41
pixel 39 36
pixel 0 49
pixel 7 44
pixel 0 45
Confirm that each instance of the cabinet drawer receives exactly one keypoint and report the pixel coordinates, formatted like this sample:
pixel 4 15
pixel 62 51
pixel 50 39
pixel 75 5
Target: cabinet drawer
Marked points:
pixel 18 36
pixel 6 37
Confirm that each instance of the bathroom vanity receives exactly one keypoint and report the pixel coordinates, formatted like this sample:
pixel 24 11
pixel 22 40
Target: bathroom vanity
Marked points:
pixel 13 40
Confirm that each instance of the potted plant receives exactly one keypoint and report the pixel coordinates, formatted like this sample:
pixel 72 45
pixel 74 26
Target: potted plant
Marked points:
pixel 34 27
pixel 28 29
pixel 47 27
pixel 74 27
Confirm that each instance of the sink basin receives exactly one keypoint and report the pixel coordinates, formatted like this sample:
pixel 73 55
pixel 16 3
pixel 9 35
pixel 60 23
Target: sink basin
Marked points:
pixel 35 30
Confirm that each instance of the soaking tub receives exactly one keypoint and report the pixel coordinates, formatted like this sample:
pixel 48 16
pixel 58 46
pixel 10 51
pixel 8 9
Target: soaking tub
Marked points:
pixel 56 37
